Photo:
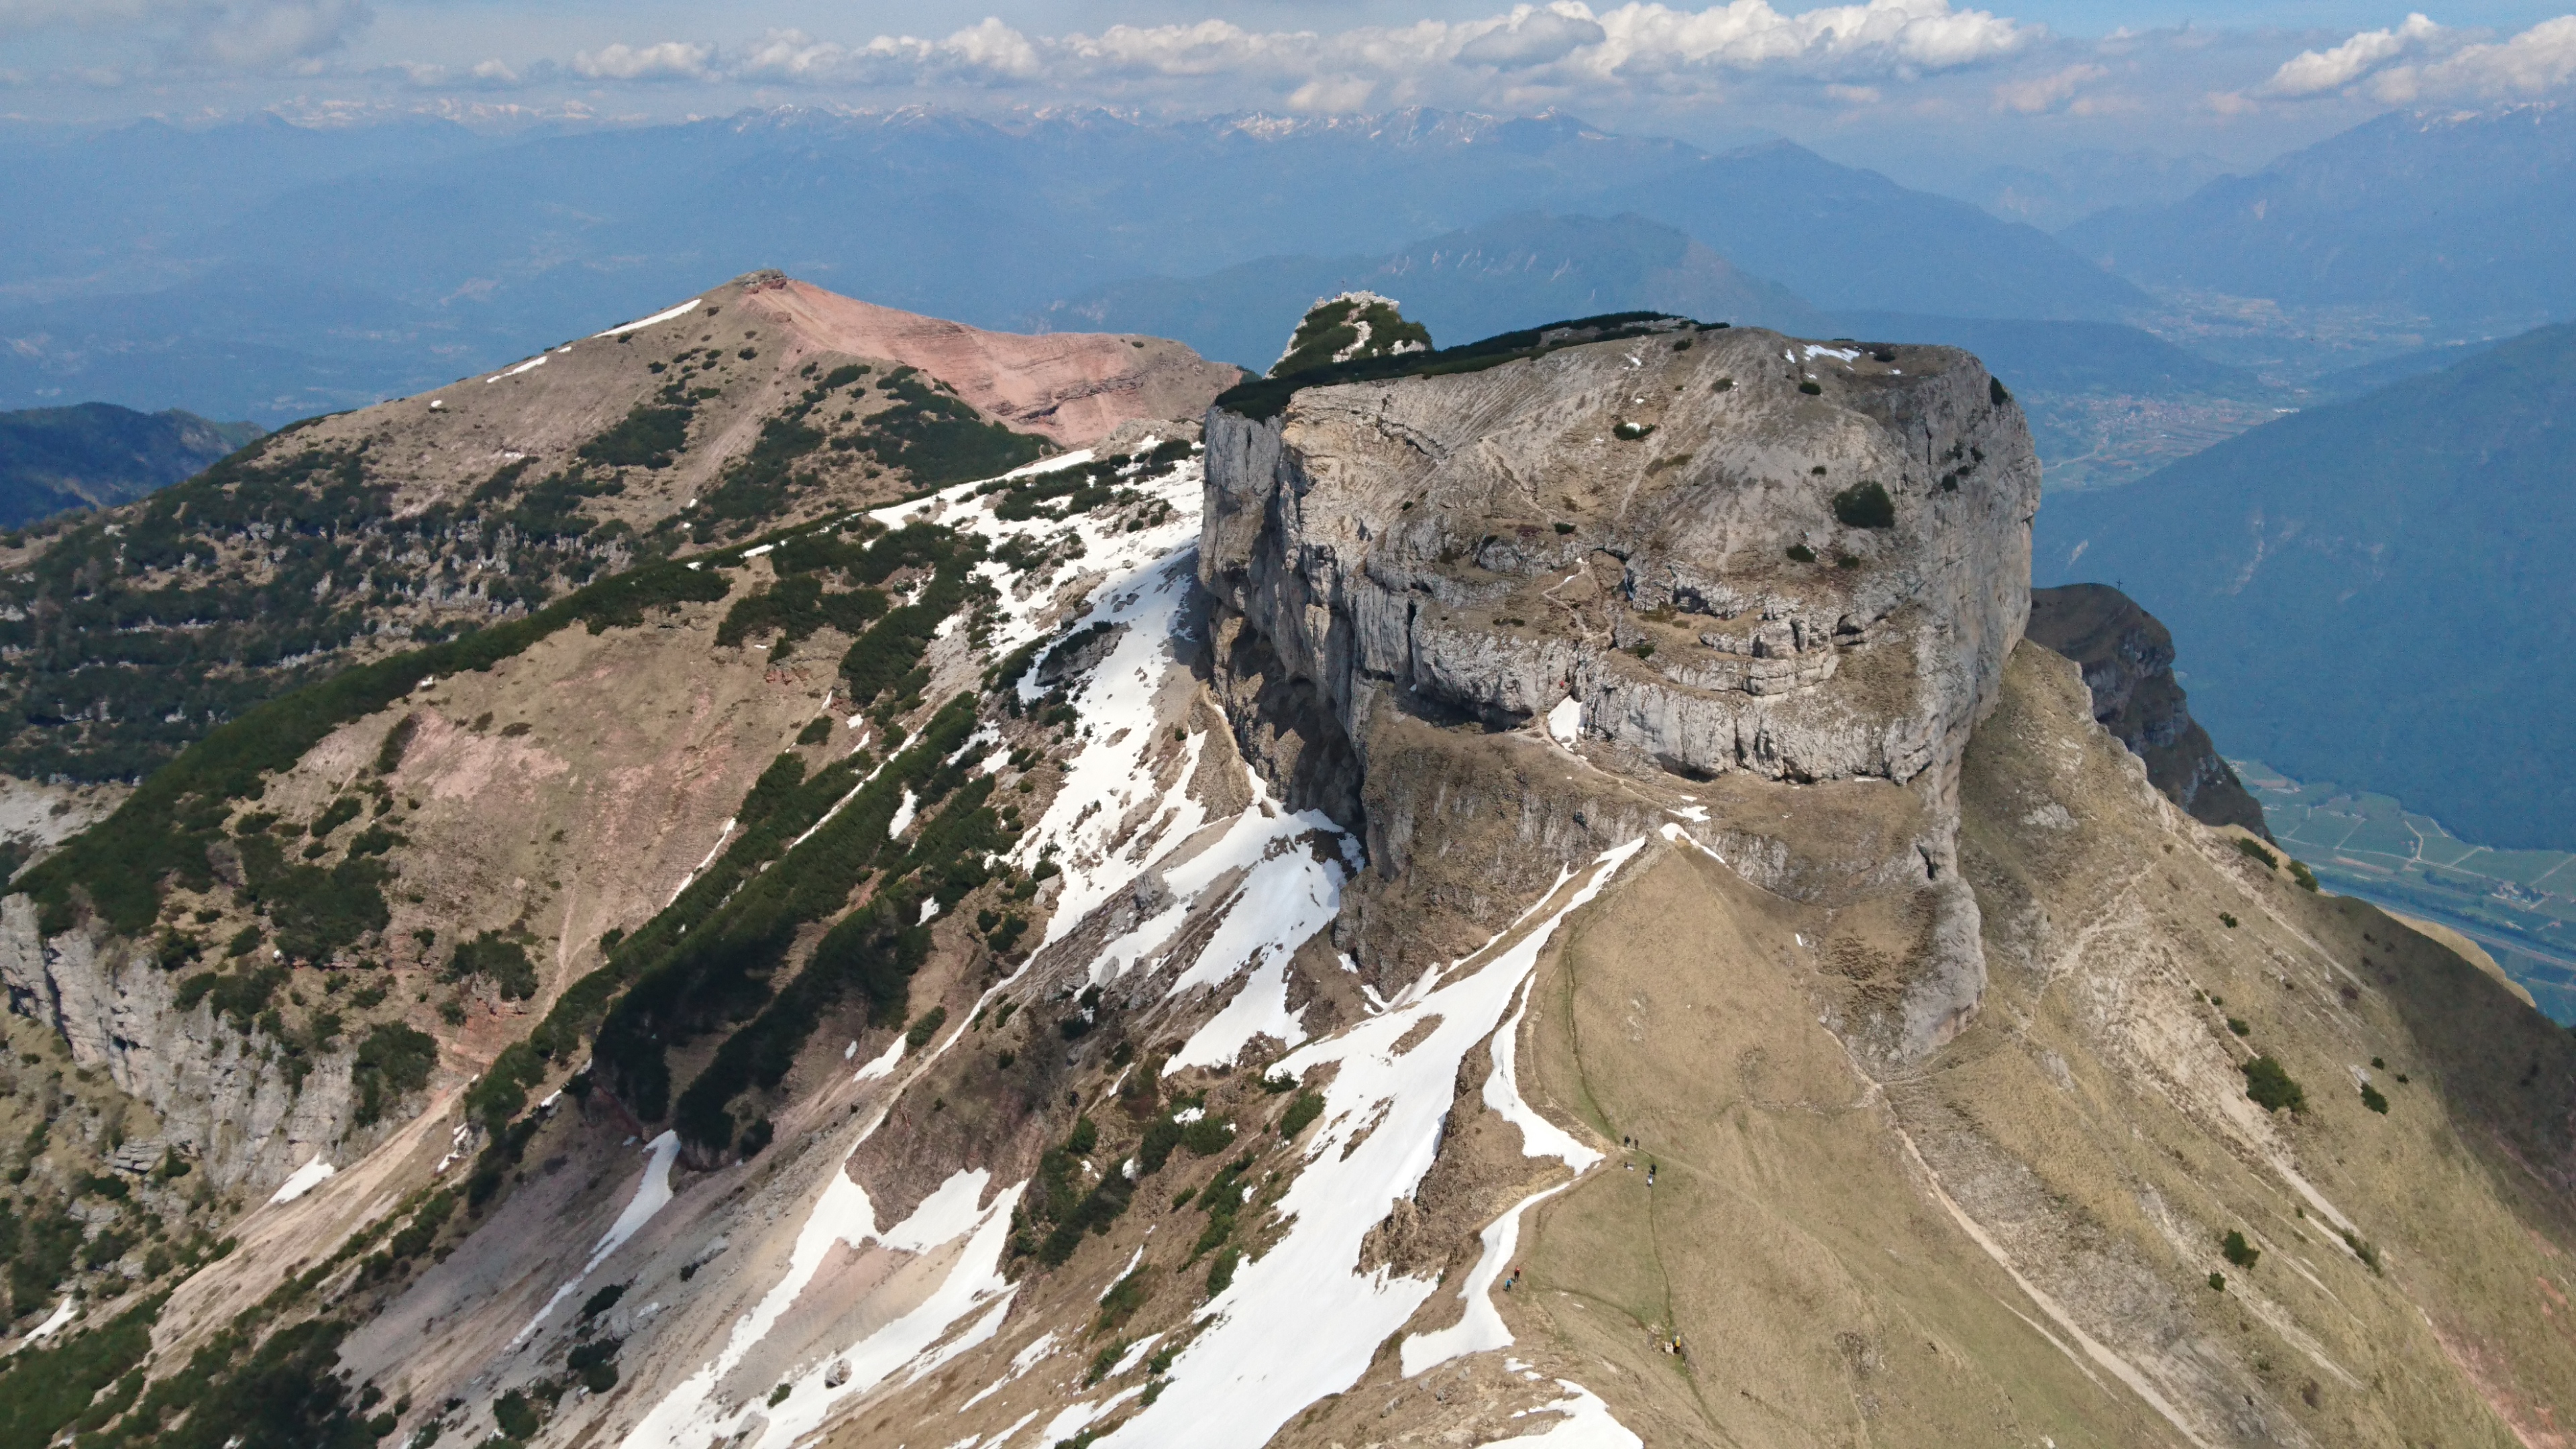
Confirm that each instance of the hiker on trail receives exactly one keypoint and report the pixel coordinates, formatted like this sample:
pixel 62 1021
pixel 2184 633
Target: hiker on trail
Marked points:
pixel 1650 1174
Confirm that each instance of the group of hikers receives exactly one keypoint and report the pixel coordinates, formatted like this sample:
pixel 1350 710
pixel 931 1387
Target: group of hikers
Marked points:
pixel 1630 1143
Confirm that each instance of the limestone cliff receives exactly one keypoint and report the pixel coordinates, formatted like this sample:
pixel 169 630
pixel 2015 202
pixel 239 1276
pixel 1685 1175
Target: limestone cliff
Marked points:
pixel 2128 658
pixel 1698 558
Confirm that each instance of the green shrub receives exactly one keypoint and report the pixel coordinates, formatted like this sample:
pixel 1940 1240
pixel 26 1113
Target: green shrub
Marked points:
pixel 1865 505
pixel 2253 849
pixel 2371 1098
pixel 2238 1251
pixel 2271 1087
pixel 2237 1025
pixel 1208 1136
pixel 919 1034
pixel 495 958
pixel 392 1063
pixel 2362 1249
pixel 1221 1270
pixel 1812 388
pixel 2218 1282
pixel 2306 878
pixel 1123 1299
pixel 1800 553
pixel 602 1301
pixel 649 436
pixel 515 1416
pixel 1307 1107
pixel 1995 392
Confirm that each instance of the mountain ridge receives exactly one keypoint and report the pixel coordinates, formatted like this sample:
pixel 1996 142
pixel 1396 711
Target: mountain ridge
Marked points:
pixel 1392 992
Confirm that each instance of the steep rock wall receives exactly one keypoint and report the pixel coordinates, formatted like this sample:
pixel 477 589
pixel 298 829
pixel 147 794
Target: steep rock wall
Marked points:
pixel 225 1099
pixel 2127 656
pixel 1709 566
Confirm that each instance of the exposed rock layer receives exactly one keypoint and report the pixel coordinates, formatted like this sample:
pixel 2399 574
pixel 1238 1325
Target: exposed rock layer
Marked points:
pixel 2128 658
pixel 1703 561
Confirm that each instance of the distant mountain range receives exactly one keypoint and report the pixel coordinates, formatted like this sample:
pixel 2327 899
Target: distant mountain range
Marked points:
pixel 2459 219
pixel 96 455
pixel 1463 285
pixel 2376 591
pixel 343 270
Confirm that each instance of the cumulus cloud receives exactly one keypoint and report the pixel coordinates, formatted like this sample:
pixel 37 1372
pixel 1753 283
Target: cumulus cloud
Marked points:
pixel 1561 50
pixel 2538 60
pixel 2317 72
pixel 1532 37
pixel 669 60
pixel 2420 60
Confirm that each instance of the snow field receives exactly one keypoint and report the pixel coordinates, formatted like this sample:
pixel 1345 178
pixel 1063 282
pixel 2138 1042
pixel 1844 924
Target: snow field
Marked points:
pixel 1301 1322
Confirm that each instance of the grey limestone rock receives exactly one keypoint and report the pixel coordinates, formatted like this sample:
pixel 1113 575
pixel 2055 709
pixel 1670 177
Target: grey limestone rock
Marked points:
pixel 1713 570
pixel 222 1097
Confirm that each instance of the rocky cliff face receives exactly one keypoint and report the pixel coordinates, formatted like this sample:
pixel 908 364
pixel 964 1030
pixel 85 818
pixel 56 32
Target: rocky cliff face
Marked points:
pixel 2128 658
pixel 226 1098
pixel 1695 559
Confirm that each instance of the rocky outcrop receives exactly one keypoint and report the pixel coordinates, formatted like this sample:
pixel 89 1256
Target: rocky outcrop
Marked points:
pixel 1649 529
pixel 225 1098
pixel 1702 559
pixel 2128 658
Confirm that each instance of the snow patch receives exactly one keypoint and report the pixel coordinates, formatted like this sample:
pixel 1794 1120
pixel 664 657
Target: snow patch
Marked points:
pixel 1587 1423
pixel 883 1065
pixel 843 1214
pixel 303 1179
pixel 61 1315
pixel 665 315
pixel 1565 721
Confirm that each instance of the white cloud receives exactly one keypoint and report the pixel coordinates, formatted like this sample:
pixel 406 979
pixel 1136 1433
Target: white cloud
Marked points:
pixel 1561 51
pixel 2317 72
pixel 2540 59
pixel 669 60
pixel 2420 60
pixel 1532 37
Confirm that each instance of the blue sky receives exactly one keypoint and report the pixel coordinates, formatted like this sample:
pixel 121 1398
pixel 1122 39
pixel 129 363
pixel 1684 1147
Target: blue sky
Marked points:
pixel 1914 85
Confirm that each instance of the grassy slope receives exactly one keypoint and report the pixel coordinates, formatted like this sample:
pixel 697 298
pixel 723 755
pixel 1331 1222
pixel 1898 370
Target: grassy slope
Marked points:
pixel 2090 1121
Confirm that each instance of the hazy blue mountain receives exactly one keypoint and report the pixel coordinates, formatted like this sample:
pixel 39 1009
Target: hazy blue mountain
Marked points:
pixel 1514 272
pixel 2352 382
pixel 95 455
pixel 2062 357
pixel 2377 591
pixel 453 257
pixel 2462 218
pixel 1853 240
pixel 2056 193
